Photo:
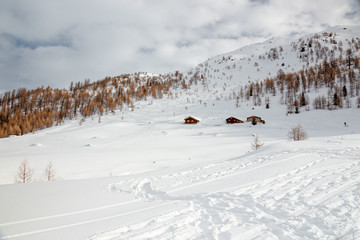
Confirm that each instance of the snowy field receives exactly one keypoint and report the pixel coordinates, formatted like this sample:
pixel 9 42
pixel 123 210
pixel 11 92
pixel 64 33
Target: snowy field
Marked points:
pixel 157 178
pixel 143 174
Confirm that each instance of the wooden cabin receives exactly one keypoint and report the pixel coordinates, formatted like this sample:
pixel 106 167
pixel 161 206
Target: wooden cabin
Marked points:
pixel 255 119
pixel 232 120
pixel 191 120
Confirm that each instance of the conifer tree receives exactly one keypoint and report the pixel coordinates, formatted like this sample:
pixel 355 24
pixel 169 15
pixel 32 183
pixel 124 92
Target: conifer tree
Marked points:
pixel 335 99
pixel 344 91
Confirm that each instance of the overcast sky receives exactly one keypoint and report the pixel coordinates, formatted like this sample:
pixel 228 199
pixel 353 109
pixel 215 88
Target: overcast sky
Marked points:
pixel 51 43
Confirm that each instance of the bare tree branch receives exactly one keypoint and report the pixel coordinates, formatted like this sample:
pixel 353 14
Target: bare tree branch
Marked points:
pixel 50 172
pixel 24 173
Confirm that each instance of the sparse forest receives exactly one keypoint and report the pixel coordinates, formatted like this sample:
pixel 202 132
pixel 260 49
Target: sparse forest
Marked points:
pixel 330 75
pixel 24 111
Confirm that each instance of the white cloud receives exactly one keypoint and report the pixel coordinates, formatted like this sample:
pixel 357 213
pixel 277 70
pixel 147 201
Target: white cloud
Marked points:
pixel 56 42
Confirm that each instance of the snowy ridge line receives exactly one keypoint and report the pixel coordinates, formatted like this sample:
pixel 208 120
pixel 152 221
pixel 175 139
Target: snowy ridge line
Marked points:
pixel 85 222
pixel 138 191
pixel 214 176
pixel 69 213
pixel 246 165
pixel 143 188
pixel 236 189
pixel 235 173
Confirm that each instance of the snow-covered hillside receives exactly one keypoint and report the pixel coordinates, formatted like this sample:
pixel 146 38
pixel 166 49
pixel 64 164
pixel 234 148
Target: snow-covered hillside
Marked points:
pixel 261 60
pixel 142 174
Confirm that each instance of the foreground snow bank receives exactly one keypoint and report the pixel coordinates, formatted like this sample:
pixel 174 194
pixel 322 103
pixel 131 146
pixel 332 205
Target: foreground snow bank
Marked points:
pixel 296 190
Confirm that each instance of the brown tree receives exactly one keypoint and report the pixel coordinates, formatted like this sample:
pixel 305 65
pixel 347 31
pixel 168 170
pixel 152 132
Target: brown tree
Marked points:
pixel 256 144
pixel 297 133
pixel 50 172
pixel 24 173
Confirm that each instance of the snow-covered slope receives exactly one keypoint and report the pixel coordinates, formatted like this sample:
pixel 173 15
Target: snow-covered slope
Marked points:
pixel 258 61
pixel 143 174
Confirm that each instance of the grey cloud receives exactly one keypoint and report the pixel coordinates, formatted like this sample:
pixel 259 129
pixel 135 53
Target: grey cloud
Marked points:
pixel 184 43
pixel 354 13
pixel 146 50
pixel 22 43
pixel 56 42
pixel 233 37
pixel 260 1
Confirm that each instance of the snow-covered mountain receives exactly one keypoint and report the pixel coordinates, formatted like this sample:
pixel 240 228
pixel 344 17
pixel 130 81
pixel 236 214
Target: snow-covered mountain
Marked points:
pixel 291 54
pixel 140 173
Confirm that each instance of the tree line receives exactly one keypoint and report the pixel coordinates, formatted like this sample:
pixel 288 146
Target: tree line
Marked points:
pixel 24 111
pixel 339 77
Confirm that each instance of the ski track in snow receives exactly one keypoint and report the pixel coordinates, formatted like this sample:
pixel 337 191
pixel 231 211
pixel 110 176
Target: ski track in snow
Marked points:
pixel 307 202
pixel 314 199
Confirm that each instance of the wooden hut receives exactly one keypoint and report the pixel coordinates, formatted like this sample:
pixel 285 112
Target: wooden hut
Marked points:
pixel 191 120
pixel 255 119
pixel 232 120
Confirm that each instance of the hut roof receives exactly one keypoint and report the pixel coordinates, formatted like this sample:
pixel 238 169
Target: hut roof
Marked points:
pixel 190 117
pixel 253 116
pixel 232 118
